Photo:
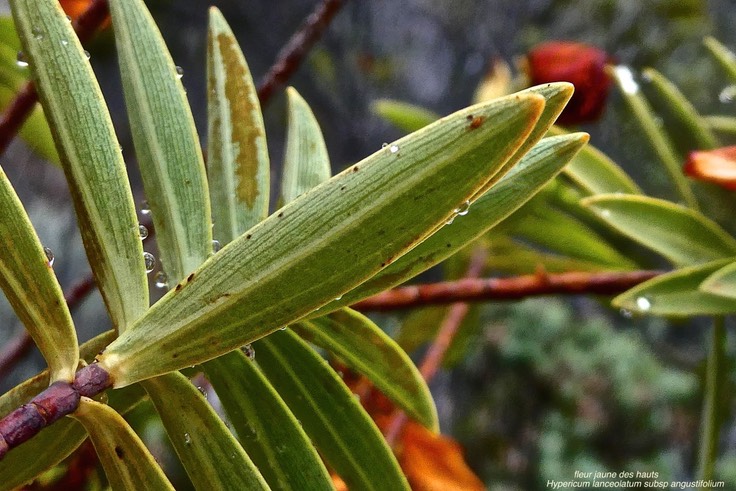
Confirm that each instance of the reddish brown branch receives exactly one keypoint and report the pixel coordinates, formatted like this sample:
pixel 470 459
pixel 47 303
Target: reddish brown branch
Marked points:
pixel 514 288
pixel 292 55
pixel 25 100
pixel 436 352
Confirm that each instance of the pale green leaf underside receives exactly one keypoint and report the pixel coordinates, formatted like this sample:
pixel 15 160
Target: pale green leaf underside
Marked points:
pixel 685 113
pixel 335 421
pixel 677 294
pixel 323 243
pixel 127 462
pixel 238 164
pixel 365 348
pixel 721 282
pixel 265 426
pixel 592 170
pixel 679 234
pixel 90 155
pixel 540 165
pixel 31 287
pixel 211 455
pixel 165 140
pixel 405 116
pixel 57 442
pixel 306 162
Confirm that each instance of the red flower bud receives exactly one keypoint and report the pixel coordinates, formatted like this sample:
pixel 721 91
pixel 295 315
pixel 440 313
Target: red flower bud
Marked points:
pixel 717 166
pixel 579 64
pixel 75 8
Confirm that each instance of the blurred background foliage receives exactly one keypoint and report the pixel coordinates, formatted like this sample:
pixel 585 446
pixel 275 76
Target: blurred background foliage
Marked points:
pixel 533 390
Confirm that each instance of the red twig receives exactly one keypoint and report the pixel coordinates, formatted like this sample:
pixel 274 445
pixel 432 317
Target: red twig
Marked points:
pixel 514 288
pixel 292 55
pixel 436 352
pixel 25 100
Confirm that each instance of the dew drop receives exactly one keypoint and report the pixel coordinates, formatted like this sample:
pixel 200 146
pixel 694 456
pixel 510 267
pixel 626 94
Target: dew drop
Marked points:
pixel 463 209
pixel 86 54
pixel 450 220
pixel 394 148
pixel 284 328
pixel 179 72
pixel 145 209
pixel 216 246
pixel 21 60
pixel 162 280
pixel 626 80
pixel 37 33
pixel 49 256
pixel 64 42
pixel 605 213
pixel 728 94
pixel 643 304
pixel 384 145
pixel 187 439
pixel 150 261
pixel 249 352
pixel 69 19
pixel 338 298
pixel 143 232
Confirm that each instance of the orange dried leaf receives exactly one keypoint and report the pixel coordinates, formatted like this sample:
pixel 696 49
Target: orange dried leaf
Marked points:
pixel 434 462
pixel 717 166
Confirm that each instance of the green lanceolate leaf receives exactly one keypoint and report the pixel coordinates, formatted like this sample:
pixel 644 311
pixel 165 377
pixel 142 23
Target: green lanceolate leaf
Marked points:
pixel 238 165
pixel 335 421
pixel 165 140
pixel 555 96
pixel 721 282
pixel 365 348
pixel 324 243
pixel 721 124
pixel 679 234
pixel 127 463
pixel 593 171
pixel 209 452
pixel 267 429
pixel 537 168
pixel 306 162
pixel 90 156
pixel 723 55
pixel 682 109
pixel 30 285
pixel 661 144
pixel 405 116
pixel 56 442
pixel 677 294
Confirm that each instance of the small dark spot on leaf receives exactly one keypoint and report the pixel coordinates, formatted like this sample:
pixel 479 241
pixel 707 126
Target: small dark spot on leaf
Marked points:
pixel 281 215
pixel 248 236
pixel 449 245
pixel 178 287
pixel 342 188
pixel 469 117
pixel 119 452
pixel 383 265
pixel 190 277
pixel 476 122
pixel 355 169
pixel 175 355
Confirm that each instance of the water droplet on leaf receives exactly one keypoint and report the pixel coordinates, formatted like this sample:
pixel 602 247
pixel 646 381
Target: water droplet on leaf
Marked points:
pixel 728 94
pixel 64 42
pixel 643 303
pixel 187 439
pixel 394 148
pixel 86 54
pixel 21 60
pixel 37 33
pixel 216 246
pixel 463 209
pixel 179 72
pixel 162 280
pixel 150 261
pixel 249 351
pixel 49 256
pixel 143 232
pixel 145 209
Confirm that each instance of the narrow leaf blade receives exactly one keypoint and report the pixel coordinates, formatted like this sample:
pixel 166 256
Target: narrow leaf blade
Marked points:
pixel 306 162
pixel 679 234
pixel 165 140
pixel 721 282
pixel 537 168
pixel 677 294
pixel 31 287
pixel 238 164
pixel 275 274
pixel 90 155
pixel 126 461
pixel 364 347
pixel 211 455
pixel 331 416
pixel 405 116
pixel 268 430
pixel 724 56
